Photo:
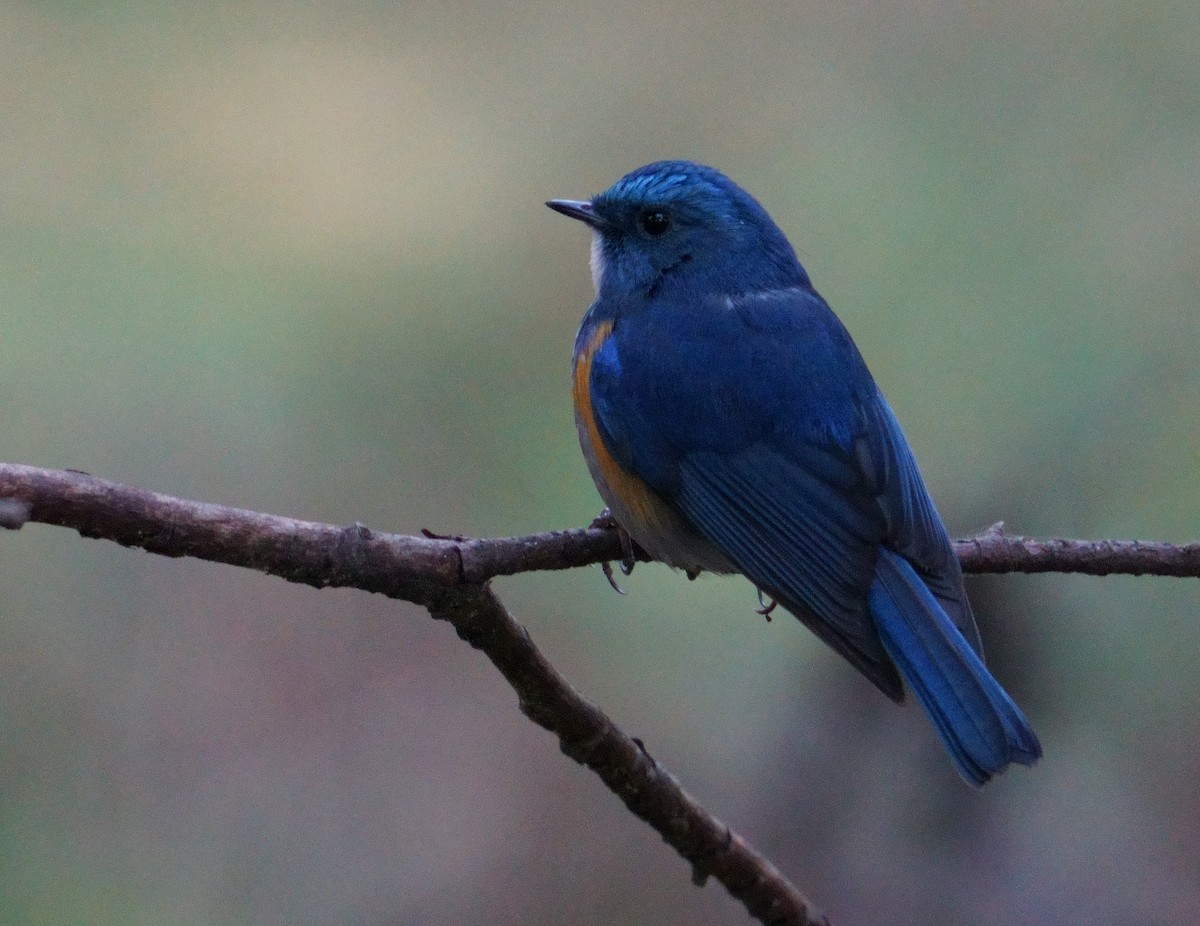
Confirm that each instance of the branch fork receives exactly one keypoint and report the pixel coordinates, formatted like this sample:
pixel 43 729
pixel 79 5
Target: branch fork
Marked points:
pixel 450 577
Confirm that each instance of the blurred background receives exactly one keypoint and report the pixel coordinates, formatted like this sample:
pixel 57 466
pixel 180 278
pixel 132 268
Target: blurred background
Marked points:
pixel 294 257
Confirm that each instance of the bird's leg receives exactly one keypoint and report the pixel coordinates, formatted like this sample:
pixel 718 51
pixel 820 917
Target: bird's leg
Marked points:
pixel 628 559
pixel 628 556
pixel 764 608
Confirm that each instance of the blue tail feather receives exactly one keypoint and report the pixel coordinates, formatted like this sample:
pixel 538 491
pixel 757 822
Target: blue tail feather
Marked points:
pixel 981 727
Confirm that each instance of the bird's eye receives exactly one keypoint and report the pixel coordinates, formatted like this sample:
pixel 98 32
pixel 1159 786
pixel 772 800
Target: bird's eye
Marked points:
pixel 654 222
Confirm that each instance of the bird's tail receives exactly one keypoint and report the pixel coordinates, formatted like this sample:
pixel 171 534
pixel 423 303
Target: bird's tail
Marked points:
pixel 981 727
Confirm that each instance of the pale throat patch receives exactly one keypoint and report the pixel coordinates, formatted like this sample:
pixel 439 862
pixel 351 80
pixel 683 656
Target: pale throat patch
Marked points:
pixel 597 261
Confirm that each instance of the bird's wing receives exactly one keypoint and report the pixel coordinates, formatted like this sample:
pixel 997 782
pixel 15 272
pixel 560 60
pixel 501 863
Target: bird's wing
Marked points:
pixel 799 535
pixel 914 527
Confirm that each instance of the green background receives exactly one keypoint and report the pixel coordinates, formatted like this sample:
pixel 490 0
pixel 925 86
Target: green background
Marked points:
pixel 295 258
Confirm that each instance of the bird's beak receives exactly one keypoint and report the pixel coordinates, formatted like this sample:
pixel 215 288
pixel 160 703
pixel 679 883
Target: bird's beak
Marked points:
pixel 577 209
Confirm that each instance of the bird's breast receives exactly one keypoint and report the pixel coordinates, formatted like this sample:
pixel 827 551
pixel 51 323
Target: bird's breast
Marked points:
pixel 611 478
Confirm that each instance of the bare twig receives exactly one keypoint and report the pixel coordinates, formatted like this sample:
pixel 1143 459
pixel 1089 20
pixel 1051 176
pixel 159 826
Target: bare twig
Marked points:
pixel 449 576
pixel 996 551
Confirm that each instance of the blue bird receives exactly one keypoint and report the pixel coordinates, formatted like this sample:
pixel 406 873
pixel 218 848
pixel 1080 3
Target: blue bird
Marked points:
pixel 731 425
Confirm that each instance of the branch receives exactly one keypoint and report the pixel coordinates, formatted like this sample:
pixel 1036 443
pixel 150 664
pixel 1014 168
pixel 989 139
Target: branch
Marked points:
pixel 449 575
pixel 410 568
pixel 588 736
pixel 995 551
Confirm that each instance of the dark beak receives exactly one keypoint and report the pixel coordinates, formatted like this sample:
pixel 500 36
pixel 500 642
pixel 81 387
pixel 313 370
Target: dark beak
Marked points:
pixel 577 209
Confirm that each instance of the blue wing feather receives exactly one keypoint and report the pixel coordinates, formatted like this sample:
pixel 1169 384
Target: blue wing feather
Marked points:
pixel 808 546
pixel 915 528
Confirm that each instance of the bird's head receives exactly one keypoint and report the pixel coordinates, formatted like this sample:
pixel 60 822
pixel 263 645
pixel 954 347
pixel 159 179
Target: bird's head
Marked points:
pixel 679 227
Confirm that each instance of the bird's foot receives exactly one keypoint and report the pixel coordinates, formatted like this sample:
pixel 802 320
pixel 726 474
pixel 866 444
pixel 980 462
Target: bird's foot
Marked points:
pixel 628 560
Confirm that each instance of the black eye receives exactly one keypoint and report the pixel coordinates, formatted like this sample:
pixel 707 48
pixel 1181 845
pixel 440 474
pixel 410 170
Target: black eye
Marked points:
pixel 654 222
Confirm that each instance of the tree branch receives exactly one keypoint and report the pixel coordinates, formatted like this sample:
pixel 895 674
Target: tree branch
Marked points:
pixel 995 551
pixel 409 567
pixel 449 576
pixel 588 736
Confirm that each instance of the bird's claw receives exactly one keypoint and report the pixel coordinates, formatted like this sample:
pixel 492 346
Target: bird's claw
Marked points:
pixel 628 560
pixel 606 568
pixel 765 608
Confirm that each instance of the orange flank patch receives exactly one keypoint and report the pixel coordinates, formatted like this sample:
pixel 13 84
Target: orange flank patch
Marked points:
pixel 642 503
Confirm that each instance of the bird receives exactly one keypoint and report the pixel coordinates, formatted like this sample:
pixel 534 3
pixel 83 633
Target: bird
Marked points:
pixel 731 425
